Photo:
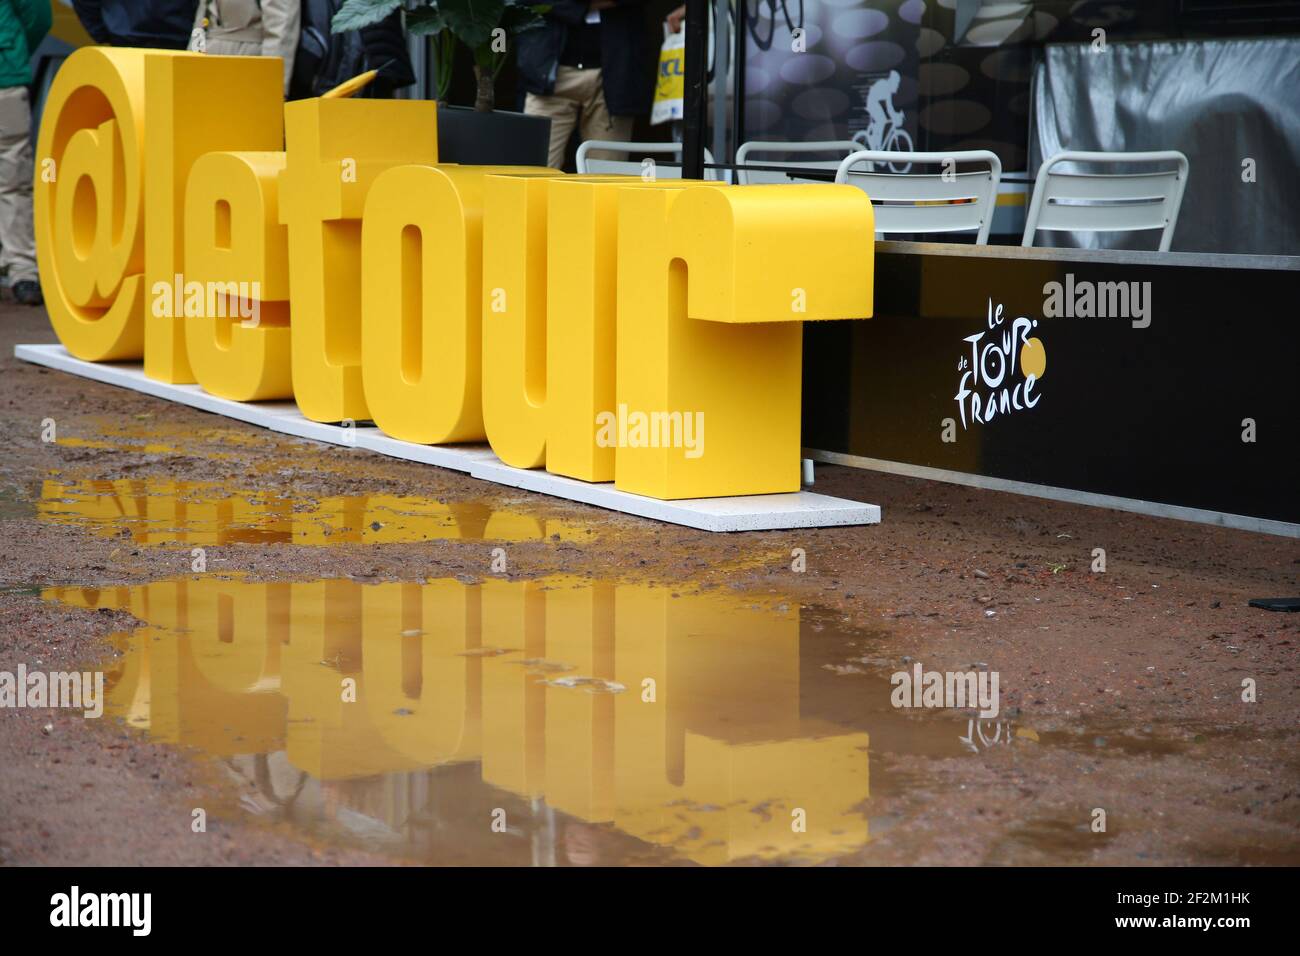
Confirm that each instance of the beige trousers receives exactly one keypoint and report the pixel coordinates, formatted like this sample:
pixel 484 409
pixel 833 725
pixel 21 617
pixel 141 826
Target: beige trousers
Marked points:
pixel 578 100
pixel 17 242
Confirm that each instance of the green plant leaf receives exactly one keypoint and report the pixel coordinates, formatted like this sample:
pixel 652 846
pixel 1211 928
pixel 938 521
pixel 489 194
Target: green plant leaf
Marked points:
pixel 425 21
pixel 444 45
pixel 472 20
pixel 355 14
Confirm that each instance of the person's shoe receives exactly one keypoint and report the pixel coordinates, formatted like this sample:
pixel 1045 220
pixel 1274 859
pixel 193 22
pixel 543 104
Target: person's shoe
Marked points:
pixel 28 292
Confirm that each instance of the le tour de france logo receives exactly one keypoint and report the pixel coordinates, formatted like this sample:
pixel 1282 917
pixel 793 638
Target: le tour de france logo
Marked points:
pixel 1000 368
pixel 317 250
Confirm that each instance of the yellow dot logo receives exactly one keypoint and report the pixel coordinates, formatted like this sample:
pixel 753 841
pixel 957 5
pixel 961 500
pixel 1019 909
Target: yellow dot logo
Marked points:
pixel 1033 358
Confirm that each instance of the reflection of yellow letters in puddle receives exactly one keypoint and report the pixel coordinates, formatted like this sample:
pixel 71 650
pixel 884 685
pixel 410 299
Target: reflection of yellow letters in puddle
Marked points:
pixel 163 511
pixel 714 767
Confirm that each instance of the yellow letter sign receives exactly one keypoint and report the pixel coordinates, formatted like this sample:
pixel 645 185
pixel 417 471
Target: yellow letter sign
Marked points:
pixel 602 327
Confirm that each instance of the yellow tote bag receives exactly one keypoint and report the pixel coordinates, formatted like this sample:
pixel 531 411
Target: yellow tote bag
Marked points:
pixel 671 82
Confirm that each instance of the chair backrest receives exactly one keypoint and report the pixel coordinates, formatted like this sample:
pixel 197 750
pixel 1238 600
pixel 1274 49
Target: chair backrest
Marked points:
pixel 628 167
pixel 943 201
pixel 1108 202
pixel 747 151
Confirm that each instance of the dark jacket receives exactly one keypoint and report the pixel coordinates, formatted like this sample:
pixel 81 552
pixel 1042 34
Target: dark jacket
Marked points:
pixel 325 59
pixel 162 24
pixel 626 73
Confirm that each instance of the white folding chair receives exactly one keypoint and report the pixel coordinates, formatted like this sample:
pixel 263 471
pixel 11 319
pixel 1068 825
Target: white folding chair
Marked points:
pixel 746 177
pixel 944 201
pixel 627 167
pixel 1108 202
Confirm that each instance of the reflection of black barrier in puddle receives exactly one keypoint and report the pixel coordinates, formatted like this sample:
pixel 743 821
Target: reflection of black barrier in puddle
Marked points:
pixel 1276 604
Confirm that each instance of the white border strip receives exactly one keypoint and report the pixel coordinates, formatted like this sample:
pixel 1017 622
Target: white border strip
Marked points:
pixel 799 509
pixel 1136 505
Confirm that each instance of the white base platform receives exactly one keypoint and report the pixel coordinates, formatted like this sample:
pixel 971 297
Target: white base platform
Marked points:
pixel 802 509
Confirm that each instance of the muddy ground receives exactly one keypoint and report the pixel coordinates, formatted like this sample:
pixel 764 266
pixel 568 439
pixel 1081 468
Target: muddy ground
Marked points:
pixel 1136 673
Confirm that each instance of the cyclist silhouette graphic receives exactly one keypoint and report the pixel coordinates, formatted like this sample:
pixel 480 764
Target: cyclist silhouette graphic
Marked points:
pixel 885 121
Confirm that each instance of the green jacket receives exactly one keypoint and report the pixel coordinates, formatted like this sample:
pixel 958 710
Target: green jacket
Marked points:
pixel 23 25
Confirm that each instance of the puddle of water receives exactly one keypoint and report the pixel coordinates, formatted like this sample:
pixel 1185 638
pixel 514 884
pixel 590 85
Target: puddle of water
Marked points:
pixel 99 444
pixel 592 722
pixel 159 512
pixel 144 433
pixel 15 504
pixel 1048 842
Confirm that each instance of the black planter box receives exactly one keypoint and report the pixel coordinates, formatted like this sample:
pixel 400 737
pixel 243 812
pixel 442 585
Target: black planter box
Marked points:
pixel 499 138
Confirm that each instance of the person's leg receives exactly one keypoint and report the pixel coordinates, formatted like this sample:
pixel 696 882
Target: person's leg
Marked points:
pixel 597 123
pixel 562 108
pixel 17 241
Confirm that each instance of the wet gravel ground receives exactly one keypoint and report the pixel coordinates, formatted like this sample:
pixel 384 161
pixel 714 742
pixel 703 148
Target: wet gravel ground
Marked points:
pixel 1134 674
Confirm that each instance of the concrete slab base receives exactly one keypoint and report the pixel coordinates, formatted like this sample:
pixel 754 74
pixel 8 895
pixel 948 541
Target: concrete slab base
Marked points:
pixel 801 509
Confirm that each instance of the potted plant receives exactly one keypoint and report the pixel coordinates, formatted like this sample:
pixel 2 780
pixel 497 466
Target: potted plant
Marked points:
pixel 482 135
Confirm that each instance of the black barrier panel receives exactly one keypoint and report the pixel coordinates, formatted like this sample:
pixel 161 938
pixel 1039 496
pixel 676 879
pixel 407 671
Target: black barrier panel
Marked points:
pixel 1163 378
